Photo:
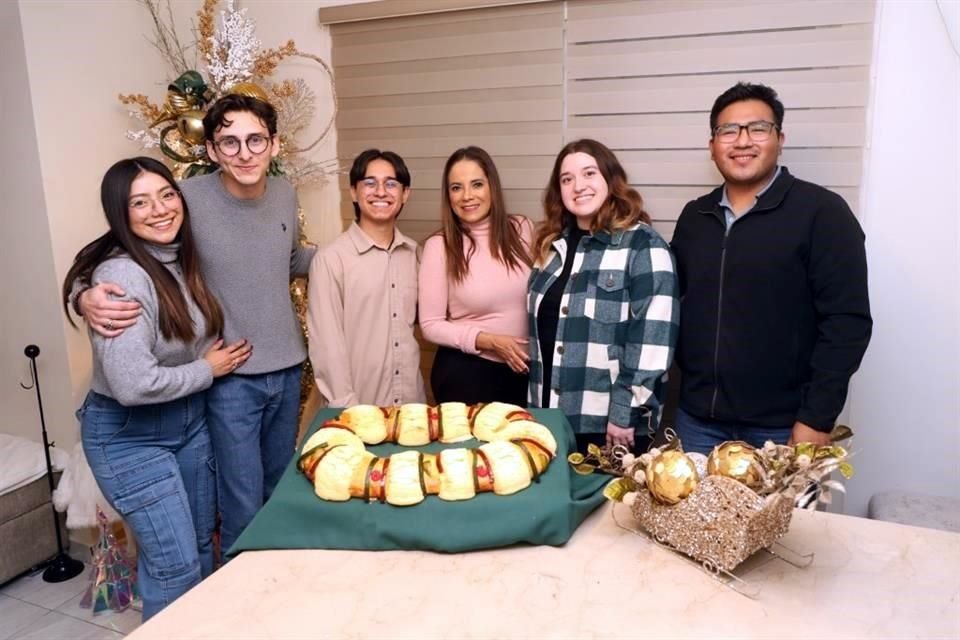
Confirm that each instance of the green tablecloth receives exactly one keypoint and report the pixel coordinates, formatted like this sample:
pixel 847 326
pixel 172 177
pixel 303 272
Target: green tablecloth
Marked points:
pixel 547 512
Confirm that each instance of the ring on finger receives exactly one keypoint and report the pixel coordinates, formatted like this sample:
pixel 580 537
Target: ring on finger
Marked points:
pixel 109 325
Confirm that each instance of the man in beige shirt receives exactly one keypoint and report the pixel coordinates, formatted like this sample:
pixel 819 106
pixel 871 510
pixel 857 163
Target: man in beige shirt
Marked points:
pixel 363 295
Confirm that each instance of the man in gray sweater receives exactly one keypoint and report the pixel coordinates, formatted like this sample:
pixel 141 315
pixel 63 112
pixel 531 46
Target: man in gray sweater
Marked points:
pixel 245 227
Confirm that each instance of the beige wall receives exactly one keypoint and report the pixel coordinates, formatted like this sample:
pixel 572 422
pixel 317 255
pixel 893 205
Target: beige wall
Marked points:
pixel 28 289
pixel 905 401
pixel 67 60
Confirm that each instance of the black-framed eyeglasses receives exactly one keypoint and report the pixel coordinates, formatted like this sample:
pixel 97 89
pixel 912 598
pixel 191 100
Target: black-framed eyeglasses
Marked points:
pixel 256 143
pixel 758 131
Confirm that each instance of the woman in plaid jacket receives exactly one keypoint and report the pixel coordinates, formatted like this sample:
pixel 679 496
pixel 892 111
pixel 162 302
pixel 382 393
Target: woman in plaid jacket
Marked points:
pixel 603 302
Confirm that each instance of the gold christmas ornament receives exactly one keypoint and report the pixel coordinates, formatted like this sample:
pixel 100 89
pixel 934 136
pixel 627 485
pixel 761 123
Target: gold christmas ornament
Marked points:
pixel 183 94
pixel 736 460
pixel 190 126
pixel 249 89
pixel 174 105
pixel 671 477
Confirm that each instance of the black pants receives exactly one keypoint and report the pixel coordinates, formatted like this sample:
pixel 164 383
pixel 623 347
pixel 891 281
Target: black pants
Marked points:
pixel 462 377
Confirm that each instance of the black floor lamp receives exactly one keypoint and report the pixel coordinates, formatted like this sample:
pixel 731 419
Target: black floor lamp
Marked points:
pixel 62 567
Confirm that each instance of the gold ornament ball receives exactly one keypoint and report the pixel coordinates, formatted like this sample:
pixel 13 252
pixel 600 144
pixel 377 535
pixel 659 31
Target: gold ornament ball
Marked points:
pixel 250 90
pixel 190 126
pixel 671 477
pixel 734 459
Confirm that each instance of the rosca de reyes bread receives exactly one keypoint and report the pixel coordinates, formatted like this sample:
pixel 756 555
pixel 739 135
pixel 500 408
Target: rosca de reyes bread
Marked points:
pixel 517 452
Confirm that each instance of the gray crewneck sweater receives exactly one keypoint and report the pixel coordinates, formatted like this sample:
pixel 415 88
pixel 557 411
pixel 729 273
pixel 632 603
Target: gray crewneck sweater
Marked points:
pixel 249 251
pixel 140 366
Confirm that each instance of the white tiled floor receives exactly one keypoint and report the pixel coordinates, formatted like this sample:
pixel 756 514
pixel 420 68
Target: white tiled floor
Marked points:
pixel 31 609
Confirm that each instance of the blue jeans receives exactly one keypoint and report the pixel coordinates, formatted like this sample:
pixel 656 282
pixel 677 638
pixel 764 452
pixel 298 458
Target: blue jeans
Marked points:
pixel 253 425
pixel 155 466
pixel 701 436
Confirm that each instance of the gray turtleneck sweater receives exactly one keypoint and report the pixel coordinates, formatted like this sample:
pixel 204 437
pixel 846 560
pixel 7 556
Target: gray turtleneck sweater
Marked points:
pixel 140 366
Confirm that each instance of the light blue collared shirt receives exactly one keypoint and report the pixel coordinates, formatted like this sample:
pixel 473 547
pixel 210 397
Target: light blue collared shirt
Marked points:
pixel 728 210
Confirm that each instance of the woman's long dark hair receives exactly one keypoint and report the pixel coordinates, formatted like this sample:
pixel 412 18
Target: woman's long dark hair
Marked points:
pixel 623 207
pixel 506 243
pixel 174 317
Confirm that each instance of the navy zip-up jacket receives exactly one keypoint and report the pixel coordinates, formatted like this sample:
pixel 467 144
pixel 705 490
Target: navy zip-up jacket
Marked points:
pixel 775 315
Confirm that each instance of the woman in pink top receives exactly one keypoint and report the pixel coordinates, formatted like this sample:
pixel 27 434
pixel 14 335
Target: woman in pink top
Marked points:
pixel 473 287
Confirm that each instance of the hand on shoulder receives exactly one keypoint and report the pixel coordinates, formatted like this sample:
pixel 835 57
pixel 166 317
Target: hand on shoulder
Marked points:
pixel 104 312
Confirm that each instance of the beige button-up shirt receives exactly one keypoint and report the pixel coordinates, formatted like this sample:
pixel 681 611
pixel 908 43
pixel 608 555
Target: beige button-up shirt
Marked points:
pixel 362 305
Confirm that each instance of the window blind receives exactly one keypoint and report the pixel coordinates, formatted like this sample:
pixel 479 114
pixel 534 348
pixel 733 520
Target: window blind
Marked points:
pixel 425 85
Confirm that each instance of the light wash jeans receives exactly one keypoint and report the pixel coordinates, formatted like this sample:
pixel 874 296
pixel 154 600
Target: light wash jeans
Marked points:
pixel 701 436
pixel 253 425
pixel 155 466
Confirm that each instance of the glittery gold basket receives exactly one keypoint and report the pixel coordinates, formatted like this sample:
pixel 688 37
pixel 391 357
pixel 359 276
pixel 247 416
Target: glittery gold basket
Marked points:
pixel 721 524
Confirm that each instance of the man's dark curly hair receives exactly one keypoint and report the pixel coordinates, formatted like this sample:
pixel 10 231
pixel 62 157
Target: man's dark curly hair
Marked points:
pixel 216 116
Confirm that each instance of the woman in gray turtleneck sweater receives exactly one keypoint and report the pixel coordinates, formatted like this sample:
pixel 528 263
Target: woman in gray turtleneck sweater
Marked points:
pixel 142 424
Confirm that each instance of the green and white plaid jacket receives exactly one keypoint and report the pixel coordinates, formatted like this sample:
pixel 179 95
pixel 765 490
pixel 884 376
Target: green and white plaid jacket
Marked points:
pixel 617 332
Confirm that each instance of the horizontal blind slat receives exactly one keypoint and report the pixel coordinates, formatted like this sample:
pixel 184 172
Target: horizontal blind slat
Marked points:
pixel 798 96
pixel 441 20
pixel 718 82
pixel 442 147
pixel 475 130
pixel 592 9
pixel 449 46
pixel 518 75
pixel 451 114
pixel 719 19
pixel 745 60
pixel 753 40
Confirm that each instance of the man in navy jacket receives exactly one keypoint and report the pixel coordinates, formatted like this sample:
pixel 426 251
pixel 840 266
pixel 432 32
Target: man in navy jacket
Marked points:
pixel 775 316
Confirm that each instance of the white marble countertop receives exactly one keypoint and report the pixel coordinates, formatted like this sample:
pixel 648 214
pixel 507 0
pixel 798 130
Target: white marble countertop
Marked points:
pixel 868 579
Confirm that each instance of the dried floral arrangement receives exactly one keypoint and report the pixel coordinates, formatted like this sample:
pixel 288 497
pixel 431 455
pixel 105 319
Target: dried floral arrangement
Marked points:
pixel 233 61
pixel 722 508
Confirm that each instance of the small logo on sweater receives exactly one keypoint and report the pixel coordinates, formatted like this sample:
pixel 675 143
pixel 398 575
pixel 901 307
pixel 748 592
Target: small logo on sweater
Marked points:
pixel 283 226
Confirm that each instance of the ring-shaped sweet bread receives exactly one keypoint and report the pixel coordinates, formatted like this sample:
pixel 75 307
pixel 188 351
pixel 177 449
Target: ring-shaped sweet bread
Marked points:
pixel 516 452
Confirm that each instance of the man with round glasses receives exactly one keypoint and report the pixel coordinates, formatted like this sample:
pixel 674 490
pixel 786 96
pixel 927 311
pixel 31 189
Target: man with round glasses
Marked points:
pixel 363 295
pixel 244 224
pixel 775 316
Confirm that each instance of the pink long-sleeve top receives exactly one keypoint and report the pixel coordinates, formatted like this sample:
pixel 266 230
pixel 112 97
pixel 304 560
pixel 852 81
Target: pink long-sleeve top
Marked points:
pixel 490 298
